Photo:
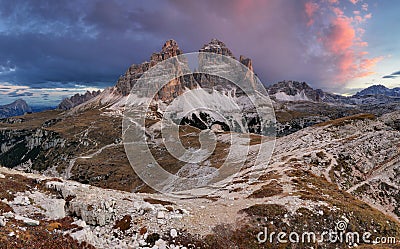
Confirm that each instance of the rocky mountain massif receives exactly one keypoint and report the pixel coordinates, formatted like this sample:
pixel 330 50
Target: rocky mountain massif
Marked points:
pixel 16 108
pixel 336 159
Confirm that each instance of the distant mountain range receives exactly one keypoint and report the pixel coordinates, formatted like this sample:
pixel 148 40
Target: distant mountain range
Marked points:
pixel 301 91
pixel 16 108
pixel 379 90
pixel 77 99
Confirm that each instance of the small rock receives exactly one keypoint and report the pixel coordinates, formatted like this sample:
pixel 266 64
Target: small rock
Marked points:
pixel 82 224
pixel 147 207
pixel 160 215
pixel 21 201
pixel 176 216
pixel 27 221
pixel 184 211
pixel 2 221
pixel 11 234
pixel 9 215
pixel 173 233
pixel 31 222
pixel 142 243
pixel 2 176
pixel 161 221
pixel 161 244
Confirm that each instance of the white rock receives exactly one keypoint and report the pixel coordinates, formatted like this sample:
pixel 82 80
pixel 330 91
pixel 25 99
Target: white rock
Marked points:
pixel 147 206
pixel 55 209
pixel 27 221
pixel 173 233
pixel 161 244
pixel 184 211
pixel 82 223
pixel 176 216
pixel 21 201
pixel 142 243
pixel 11 234
pixel 2 176
pixel 84 235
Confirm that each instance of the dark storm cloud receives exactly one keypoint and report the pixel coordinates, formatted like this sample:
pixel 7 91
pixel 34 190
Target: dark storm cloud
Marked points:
pixel 396 73
pixel 49 44
pixel 67 42
pixel 389 77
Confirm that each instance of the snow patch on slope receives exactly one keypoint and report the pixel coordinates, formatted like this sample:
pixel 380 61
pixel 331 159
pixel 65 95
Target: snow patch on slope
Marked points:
pixel 301 96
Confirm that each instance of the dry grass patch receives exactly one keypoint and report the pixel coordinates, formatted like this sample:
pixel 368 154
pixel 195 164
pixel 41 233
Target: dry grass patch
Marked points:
pixel 347 120
pixel 268 190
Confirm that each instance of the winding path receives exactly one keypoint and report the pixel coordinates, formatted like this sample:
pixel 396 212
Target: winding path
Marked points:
pixel 72 162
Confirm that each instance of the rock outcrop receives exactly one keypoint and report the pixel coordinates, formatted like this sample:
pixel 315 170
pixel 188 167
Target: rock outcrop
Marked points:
pixel 217 47
pixel 134 72
pixel 77 99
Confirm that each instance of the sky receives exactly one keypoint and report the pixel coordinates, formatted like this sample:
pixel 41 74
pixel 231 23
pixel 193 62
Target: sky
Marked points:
pixel 50 50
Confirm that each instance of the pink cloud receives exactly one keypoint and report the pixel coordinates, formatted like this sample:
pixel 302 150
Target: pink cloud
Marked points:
pixel 341 35
pixel 310 9
pixel 359 19
pixel 337 11
pixel 368 16
pixel 354 1
pixel 343 41
pixel 366 65
pixel 364 6
pixel 333 1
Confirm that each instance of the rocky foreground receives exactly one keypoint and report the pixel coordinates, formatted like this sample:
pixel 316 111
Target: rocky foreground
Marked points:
pixel 342 170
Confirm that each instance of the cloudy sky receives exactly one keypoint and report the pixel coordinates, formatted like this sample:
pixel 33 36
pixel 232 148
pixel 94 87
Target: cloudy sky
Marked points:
pixel 52 49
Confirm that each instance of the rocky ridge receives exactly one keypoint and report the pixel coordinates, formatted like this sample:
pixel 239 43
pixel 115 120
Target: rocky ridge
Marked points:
pixel 17 108
pixel 77 99
pixel 379 90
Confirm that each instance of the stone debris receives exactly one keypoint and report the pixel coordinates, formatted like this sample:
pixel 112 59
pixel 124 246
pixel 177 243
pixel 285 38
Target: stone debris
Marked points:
pixel 173 233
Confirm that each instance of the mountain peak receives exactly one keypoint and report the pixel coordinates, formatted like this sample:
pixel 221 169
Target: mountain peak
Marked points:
pixel 289 90
pixel 77 99
pixel 170 44
pixel 379 90
pixel 218 47
pixel 16 108
pixel 169 49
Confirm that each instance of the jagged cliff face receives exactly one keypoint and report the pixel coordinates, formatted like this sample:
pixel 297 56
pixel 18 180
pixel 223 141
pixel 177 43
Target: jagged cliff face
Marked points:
pixel 77 99
pixel 125 82
pixel 177 86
